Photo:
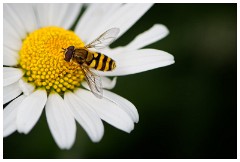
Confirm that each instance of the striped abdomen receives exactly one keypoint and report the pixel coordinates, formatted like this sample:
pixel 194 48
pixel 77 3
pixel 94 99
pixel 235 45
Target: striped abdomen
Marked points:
pixel 101 62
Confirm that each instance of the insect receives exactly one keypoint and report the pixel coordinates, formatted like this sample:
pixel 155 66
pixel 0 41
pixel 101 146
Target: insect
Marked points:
pixel 88 60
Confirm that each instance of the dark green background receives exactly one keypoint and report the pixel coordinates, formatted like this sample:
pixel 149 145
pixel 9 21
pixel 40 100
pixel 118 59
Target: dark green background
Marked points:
pixel 187 110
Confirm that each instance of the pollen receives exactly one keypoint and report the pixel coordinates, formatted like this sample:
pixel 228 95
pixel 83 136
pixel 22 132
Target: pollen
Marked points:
pixel 42 59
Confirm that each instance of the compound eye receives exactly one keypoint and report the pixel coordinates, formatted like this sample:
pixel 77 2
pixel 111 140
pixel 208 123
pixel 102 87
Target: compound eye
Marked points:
pixel 68 55
pixel 70 48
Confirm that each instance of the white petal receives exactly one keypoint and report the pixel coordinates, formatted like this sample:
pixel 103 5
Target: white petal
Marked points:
pixel 26 15
pixel 85 116
pixel 11 39
pixel 56 17
pixel 121 102
pixel 89 22
pixel 108 83
pixel 11 75
pixel 30 111
pixel 7 27
pixel 10 92
pixel 14 20
pixel 42 14
pixel 123 18
pixel 138 61
pixel 49 15
pixel 124 104
pixel 107 110
pixel 60 121
pixel 26 88
pixel 9 116
pixel 150 36
pixel 10 57
pixel 66 17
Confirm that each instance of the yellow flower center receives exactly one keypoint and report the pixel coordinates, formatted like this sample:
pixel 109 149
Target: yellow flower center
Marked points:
pixel 42 58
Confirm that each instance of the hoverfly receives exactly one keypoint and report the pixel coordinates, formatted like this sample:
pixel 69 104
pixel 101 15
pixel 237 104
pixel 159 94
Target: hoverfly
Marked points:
pixel 88 59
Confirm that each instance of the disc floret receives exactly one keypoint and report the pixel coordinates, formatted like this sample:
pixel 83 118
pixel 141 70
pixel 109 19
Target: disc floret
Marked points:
pixel 42 59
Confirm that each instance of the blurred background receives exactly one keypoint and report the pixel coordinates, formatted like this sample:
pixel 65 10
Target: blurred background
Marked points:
pixel 187 110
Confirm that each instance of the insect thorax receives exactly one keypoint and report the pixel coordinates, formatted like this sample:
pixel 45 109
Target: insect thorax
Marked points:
pixel 80 54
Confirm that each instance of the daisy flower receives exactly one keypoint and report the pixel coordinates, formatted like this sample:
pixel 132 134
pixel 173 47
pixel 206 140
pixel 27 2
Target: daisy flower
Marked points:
pixel 35 74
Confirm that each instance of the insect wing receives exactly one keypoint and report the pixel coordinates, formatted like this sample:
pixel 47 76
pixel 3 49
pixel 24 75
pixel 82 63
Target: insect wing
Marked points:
pixel 105 39
pixel 94 82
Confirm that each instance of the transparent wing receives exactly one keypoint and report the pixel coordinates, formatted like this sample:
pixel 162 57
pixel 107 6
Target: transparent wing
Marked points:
pixel 105 39
pixel 94 82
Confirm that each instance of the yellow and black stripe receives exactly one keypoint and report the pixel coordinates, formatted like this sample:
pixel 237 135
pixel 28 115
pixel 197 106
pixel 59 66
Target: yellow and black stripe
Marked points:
pixel 101 62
